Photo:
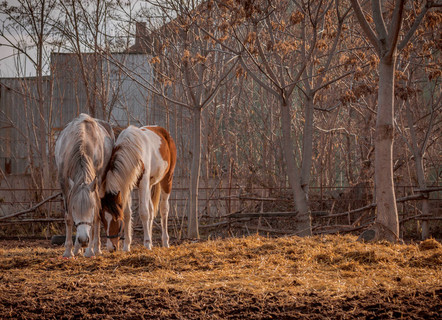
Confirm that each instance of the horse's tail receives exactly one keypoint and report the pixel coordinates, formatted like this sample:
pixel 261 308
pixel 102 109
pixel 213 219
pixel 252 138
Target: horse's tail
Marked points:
pixel 156 192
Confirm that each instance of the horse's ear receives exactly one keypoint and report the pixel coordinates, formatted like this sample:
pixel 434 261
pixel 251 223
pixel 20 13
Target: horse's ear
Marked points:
pixel 93 185
pixel 71 183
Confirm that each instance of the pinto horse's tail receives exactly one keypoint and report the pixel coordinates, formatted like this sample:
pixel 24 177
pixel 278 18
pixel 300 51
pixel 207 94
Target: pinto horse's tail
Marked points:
pixel 155 194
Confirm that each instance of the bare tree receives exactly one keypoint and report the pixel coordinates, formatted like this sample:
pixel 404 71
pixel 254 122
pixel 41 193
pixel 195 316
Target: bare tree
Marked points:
pixel 83 27
pixel 31 20
pixel 385 39
pixel 276 42
pixel 418 94
pixel 318 74
pixel 189 73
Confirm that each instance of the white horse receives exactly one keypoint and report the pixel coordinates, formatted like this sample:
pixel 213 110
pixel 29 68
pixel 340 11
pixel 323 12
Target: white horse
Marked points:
pixel 82 153
pixel 143 157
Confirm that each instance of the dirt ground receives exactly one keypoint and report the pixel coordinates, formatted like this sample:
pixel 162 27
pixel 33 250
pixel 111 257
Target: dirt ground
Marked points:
pixel 331 277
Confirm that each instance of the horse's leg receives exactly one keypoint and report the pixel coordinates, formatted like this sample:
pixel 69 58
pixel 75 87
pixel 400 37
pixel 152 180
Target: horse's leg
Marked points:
pixel 68 241
pixel 93 248
pixel 128 224
pixel 164 210
pixel 97 247
pixel 150 214
pixel 90 247
pixel 145 209
pixel 77 247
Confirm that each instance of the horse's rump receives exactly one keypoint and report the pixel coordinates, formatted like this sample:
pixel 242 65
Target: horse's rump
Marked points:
pixel 168 152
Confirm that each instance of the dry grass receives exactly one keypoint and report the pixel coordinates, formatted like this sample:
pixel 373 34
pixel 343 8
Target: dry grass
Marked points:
pixel 254 277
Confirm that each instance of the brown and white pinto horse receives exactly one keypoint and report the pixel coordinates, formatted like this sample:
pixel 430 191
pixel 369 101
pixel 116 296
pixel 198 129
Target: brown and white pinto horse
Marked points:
pixel 143 157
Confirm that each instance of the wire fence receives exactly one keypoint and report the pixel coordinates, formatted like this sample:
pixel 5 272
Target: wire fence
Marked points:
pixel 22 215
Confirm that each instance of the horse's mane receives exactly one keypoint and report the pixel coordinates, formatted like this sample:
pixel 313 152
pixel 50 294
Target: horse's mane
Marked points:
pixel 79 164
pixel 126 165
pixel 80 196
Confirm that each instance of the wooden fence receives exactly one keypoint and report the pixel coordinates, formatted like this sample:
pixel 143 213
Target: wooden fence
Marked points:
pixel 259 209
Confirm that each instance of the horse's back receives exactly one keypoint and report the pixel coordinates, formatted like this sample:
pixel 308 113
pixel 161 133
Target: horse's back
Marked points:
pixel 107 128
pixel 168 147
pixel 158 151
pixel 91 137
pixel 108 142
pixel 68 133
pixel 167 150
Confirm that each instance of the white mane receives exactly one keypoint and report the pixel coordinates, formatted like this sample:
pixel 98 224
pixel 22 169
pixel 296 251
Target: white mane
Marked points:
pixel 127 155
pixel 78 164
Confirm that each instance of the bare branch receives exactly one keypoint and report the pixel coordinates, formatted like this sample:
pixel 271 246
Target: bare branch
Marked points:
pixel 31 208
pixel 379 21
pixel 413 28
pixel 431 125
pixel 257 79
pixel 365 26
pixel 395 27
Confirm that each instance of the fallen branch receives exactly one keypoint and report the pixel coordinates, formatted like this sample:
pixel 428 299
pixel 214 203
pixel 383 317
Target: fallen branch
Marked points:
pixel 338 228
pixel 58 220
pixel 418 196
pixel 334 215
pixel 420 217
pixel 262 214
pixel 235 197
pixel 268 230
pixel 30 209
pixel 214 225
pixel 429 189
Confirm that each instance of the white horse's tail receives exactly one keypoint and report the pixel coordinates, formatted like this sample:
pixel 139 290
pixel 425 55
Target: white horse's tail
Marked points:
pixel 155 194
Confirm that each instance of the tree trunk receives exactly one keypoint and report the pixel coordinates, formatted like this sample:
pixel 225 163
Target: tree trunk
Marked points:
pixel 307 145
pixel 192 228
pixel 385 197
pixel 42 125
pixel 418 161
pixel 42 116
pixel 299 196
pixel 420 173
pixel 385 42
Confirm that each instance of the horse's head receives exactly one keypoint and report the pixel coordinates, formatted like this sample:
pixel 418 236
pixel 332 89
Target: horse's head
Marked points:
pixel 82 205
pixel 112 218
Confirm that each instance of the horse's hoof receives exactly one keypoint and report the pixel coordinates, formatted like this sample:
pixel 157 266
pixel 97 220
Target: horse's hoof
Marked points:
pixel 66 258
pixel 68 255
pixel 89 254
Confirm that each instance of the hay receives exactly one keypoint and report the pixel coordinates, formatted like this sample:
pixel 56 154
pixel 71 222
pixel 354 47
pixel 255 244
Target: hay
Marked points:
pixel 429 244
pixel 251 277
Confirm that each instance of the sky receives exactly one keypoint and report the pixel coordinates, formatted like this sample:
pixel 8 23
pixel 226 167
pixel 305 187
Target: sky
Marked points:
pixel 13 64
pixel 7 61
